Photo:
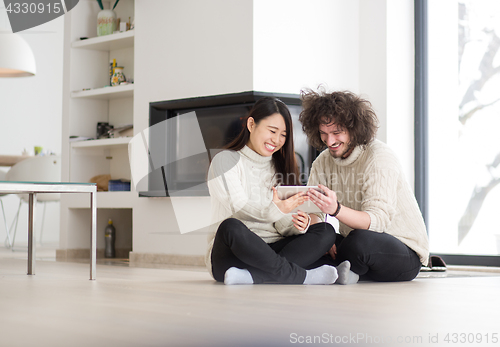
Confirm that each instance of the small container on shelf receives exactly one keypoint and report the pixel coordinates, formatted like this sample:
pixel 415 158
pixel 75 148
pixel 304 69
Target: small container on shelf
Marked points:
pixel 118 76
pixel 119 186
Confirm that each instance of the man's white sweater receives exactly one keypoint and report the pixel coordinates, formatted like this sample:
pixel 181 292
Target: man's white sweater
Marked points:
pixel 372 180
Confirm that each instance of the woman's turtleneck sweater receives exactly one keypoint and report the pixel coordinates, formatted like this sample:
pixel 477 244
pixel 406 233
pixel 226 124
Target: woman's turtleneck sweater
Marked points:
pixel 371 179
pixel 240 187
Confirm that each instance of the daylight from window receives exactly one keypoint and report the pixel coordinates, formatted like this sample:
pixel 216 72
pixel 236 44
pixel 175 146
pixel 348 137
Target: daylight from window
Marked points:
pixel 464 124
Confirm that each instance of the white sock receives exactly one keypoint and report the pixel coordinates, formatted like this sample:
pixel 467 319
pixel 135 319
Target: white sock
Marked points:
pixel 346 276
pixel 325 274
pixel 234 275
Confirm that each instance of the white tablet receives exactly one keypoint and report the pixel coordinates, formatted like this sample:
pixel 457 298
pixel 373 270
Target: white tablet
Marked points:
pixel 284 192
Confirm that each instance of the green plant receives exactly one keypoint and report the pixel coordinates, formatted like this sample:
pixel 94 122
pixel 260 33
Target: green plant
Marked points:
pixel 102 7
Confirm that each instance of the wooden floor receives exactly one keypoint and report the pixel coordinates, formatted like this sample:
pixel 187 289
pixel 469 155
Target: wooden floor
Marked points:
pixel 132 306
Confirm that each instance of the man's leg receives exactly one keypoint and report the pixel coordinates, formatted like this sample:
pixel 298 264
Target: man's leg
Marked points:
pixel 379 256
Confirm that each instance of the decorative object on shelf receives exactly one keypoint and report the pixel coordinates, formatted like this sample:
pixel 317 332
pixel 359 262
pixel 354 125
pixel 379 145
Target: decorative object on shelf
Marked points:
pixel 118 76
pixel 111 67
pixel 75 138
pixel 38 150
pixel 102 182
pixel 106 24
pixel 106 20
pixel 121 185
pixel 123 131
pixel 103 129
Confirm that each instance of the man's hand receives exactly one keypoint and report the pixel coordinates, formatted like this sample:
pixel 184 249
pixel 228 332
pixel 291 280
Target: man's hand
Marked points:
pixel 288 205
pixel 333 252
pixel 327 202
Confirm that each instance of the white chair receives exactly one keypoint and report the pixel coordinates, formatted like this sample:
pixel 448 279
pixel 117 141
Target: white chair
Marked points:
pixel 36 169
pixel 8 241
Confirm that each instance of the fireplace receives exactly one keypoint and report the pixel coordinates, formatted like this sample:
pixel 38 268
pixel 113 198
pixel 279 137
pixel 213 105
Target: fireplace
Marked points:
pixel 185 134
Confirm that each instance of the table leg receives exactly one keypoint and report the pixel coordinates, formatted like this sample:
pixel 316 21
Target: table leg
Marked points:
pixel 93 241
pixel 31 233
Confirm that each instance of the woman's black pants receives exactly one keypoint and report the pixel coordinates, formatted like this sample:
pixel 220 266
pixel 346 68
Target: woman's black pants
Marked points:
pixel 283 261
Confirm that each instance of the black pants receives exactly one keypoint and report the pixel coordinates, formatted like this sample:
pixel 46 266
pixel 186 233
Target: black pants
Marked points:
pixel 375 256
pixel 282 261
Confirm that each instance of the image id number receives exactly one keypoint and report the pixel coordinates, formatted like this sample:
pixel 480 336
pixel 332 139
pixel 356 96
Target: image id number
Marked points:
pixel 33 7
pixel 471 338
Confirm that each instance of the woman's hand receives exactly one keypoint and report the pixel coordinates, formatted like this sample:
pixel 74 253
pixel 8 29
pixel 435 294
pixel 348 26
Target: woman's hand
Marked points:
pixel 327 202
pixel 288 205
pixel 301 220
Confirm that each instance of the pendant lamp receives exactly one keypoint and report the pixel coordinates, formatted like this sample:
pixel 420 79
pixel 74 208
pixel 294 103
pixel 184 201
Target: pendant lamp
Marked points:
pixel 16 56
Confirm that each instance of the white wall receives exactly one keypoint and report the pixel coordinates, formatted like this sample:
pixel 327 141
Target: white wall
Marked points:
pixel 194 48
pixel 400 83
pixel 185 49
pixel 386 72
pixel 302 44
pixel 30 115
pixel 365 46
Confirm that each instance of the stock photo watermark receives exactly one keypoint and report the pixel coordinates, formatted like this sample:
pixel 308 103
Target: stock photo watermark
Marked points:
pixel 27 14
pixel 151 160
pixel 449 338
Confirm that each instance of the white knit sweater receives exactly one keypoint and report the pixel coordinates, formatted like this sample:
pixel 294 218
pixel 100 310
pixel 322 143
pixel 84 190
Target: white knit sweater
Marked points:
pixel 240 187
pixel 371 180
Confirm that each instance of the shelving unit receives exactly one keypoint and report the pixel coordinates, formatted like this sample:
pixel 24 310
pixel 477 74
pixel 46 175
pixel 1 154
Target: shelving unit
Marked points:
pixel 92 100
pixel 88 99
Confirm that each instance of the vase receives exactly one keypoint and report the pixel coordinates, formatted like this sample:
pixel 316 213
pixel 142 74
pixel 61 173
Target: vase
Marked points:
pixel 106 22
pixel 118 76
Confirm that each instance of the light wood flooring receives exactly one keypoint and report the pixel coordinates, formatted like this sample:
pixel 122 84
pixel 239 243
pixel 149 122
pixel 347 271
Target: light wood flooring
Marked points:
pixel 136 306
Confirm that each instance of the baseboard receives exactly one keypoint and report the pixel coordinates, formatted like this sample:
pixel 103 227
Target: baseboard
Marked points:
pixel 171 259
pixel 84 253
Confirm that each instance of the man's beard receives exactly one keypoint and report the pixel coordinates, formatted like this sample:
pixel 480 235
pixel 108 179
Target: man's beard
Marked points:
pixel 343 155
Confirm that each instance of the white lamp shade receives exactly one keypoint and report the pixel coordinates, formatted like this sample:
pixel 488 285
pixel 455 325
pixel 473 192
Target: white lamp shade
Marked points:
pixel 16 56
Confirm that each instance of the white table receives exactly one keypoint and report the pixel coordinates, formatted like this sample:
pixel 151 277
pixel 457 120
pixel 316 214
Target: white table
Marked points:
pixel 11 160
pixel 33 188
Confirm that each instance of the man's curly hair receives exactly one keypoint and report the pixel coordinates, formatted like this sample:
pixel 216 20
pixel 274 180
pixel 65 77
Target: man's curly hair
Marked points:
pixel 346 109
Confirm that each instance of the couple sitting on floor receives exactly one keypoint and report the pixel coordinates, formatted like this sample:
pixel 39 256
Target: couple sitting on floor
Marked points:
pixel 256 239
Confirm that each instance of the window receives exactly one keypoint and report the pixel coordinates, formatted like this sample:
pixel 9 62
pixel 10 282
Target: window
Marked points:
pixel 460 144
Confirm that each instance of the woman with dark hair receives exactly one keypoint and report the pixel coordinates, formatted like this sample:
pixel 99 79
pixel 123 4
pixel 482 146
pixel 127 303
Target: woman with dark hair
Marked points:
pixel 254 237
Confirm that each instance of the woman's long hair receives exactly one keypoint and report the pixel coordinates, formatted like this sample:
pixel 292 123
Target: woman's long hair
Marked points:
pixel 287 172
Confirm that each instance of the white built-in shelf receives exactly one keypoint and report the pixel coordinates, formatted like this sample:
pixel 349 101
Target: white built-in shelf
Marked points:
pixel 107 42
pixel 106 93
pixel 104 200
pixel 119 141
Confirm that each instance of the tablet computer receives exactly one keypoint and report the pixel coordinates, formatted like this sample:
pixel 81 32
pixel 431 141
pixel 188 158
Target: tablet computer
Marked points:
pixel 284 192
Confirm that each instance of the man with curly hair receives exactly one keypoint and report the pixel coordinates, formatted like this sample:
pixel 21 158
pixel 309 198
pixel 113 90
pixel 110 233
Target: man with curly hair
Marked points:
pixel 382 232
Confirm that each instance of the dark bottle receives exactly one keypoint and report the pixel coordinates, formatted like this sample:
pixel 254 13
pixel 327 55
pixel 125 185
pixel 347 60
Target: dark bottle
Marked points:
pixel 109 238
